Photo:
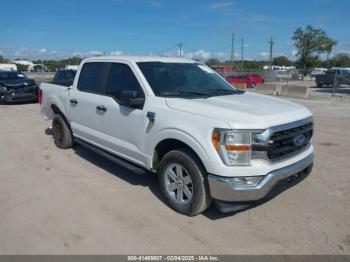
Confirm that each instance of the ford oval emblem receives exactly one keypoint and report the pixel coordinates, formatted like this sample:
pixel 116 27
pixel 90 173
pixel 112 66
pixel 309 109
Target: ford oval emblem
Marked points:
pixel 299 140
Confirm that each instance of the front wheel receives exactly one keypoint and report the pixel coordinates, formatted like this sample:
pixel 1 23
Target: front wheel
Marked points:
pixel 183 182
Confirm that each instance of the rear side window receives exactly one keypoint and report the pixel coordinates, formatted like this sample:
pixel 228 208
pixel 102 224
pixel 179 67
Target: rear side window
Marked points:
pixel 69 75
pixel 121 78
pixel 57 76
pixel 93 77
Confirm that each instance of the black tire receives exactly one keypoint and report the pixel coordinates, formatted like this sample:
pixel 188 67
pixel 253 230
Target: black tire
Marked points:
pixel 62 133
pixel 200 199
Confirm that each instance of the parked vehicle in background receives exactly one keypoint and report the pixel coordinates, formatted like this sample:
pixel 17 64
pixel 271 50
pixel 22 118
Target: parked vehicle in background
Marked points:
pixel 178 118
pixel 64 77
pixel 279 68
pixel 16 87
pixel 8 67
pixel 318 71
pixel 72 67
pixel 341 68
pixel 293 74
pixel 333 76
pixel 249 80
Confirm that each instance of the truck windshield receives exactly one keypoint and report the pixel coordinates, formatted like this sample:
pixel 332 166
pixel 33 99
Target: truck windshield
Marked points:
pixel 184 79
pixel 11 76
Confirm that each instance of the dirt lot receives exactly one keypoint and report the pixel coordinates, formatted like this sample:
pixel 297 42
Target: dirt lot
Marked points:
pixel 75 202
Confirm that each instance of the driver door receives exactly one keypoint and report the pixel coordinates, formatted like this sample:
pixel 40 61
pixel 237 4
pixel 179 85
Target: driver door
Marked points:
pixel 121 129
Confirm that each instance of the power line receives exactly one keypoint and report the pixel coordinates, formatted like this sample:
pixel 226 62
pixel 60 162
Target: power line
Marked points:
pixel 180 49
pixel 271 43
pixel 242 53
pixel 233 52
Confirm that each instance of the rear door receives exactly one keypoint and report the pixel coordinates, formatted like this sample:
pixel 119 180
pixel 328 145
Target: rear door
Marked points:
pixel 122 129
pixel 82 99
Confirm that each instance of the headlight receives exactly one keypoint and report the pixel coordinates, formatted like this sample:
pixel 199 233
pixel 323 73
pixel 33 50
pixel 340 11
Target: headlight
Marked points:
pixel 233 146
pixel 2 88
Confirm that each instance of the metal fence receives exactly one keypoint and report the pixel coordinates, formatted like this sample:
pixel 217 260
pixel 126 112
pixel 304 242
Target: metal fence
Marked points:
pixel 340 83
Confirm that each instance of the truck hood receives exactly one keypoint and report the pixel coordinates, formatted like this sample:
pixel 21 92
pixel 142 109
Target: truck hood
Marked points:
pixel 15 84
pixel 243 111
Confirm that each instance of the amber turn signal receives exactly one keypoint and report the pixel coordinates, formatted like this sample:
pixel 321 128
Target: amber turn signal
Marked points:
pixel 238 148
pixel 216 139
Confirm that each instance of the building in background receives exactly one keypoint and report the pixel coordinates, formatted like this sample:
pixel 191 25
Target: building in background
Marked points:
pixel 8 67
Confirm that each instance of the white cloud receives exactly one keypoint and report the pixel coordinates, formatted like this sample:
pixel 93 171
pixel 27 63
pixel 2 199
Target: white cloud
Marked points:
pixel 205 55
pixel 200 54
pixel 97 53
pixel 117 52
pixel 220 5
pixel 264 55
pixel 290 43
pixel 45 54
pixel 42 53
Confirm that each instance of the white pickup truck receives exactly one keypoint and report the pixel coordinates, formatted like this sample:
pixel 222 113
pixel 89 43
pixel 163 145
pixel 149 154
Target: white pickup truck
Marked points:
pixel 206 141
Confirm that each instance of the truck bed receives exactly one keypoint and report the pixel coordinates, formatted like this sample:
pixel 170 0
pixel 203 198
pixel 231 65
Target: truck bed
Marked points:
pixel 53 94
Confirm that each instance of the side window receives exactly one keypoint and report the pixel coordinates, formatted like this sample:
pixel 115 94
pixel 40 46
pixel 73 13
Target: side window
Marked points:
pixel 70 75
pixel 121 78
pixel 57 76
pixel 92 77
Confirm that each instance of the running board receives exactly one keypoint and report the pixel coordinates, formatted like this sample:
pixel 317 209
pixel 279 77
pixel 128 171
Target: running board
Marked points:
pixel 119 161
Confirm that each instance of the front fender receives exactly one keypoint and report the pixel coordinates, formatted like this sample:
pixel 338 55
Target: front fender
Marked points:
pixel 172 133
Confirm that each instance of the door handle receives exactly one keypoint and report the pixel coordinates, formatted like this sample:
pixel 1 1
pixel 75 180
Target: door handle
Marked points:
pixel 74 101
pixel 101 108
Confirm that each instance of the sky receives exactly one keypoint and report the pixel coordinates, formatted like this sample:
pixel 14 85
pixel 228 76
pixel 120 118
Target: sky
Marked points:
pixel 44 29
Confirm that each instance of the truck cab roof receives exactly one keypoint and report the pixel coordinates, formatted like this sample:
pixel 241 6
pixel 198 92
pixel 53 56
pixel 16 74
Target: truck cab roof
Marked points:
pixel 137 59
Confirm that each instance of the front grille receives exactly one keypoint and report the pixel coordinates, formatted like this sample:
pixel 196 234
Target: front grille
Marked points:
pixel 283 144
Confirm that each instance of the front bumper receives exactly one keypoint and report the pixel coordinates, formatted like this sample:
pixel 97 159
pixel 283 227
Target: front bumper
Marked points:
pixel 224 189
pixel 13 97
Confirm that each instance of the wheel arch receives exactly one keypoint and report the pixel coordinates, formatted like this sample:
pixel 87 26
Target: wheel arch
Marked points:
pixel 168 144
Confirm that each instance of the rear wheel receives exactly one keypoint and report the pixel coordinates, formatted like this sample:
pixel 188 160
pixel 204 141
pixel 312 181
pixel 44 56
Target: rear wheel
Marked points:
pixel 61 132
pixel 183 182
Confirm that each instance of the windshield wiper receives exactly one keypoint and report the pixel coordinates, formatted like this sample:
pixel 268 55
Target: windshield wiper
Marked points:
pixel 224 91
pixel 196 93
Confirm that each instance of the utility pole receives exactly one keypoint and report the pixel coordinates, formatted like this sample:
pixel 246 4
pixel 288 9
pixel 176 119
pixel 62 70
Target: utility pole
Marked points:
pixel 233 52
pixel 242 52
pixel 180 49
pixel 271 43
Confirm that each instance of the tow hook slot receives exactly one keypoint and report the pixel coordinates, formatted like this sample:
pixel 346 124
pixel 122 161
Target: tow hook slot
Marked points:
pixel 295 177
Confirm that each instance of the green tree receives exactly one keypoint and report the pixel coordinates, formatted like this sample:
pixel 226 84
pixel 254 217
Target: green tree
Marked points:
pixel 22 68
pixel 310 43
pixel 328 47
pixel 3 60
pixel 340 60
pixel 282 61
pixel 213 62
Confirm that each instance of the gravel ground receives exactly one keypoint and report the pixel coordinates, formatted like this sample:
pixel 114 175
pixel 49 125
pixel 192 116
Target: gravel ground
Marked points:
pixel 73 201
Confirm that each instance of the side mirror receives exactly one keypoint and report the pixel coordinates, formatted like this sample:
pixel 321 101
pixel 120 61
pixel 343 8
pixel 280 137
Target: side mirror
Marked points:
pixel 132 99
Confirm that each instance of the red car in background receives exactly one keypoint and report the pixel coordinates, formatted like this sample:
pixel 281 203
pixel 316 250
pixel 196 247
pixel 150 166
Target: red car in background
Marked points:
pixel 250 80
